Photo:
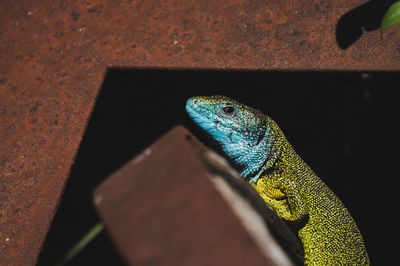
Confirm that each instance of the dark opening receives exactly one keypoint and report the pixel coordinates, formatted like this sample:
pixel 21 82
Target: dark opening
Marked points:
pixel 341 124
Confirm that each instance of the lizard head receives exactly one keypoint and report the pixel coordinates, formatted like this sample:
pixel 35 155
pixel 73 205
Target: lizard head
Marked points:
pixel 242 132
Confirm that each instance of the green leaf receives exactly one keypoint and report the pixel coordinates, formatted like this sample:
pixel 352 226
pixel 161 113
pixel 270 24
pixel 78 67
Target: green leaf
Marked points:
pixel 391 18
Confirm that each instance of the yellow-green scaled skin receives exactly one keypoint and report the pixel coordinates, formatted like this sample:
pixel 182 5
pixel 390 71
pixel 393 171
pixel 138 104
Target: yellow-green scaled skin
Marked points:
pixel 330 235
pixel 285 182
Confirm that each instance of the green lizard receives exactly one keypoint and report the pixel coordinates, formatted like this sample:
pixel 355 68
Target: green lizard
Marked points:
pixel 285 182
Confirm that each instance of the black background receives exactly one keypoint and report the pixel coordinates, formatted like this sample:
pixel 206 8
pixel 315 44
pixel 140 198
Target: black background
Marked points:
pixel 344 125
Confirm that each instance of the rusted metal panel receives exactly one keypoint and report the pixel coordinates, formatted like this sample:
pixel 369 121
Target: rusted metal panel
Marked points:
pixel 53 55
pixel 161 209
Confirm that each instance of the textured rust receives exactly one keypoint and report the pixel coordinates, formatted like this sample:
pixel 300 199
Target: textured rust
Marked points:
pixel 161 209
pixel 53 55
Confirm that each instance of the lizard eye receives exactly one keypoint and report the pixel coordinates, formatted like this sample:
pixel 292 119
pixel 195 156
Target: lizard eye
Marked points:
pixel 229 110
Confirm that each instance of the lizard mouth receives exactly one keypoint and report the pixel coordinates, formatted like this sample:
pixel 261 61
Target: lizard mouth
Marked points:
pixel 212 124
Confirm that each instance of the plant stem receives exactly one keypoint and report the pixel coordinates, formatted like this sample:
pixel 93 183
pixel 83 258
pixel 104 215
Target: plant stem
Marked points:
pixel 81 244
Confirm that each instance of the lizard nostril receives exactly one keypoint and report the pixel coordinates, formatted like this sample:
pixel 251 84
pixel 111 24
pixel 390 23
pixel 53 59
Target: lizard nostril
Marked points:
pixel 195 102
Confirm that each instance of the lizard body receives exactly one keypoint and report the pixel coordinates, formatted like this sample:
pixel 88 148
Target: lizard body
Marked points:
pixel 285 182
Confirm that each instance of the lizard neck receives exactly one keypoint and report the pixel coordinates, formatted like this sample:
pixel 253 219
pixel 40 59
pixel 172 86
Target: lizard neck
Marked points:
pixel 255 157
pixel 271 149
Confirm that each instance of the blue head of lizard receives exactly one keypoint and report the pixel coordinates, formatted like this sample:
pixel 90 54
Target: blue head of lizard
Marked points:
pixel 242 131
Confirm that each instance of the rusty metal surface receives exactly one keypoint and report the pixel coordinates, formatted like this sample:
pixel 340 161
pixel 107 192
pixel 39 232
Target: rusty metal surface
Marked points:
pixel 53 55
pixel 161 209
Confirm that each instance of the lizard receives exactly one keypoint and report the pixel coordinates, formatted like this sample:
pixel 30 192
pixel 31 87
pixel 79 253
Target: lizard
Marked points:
pixel 288 186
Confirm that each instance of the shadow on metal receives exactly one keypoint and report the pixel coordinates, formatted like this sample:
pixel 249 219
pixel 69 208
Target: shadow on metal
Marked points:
pixel 366 17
